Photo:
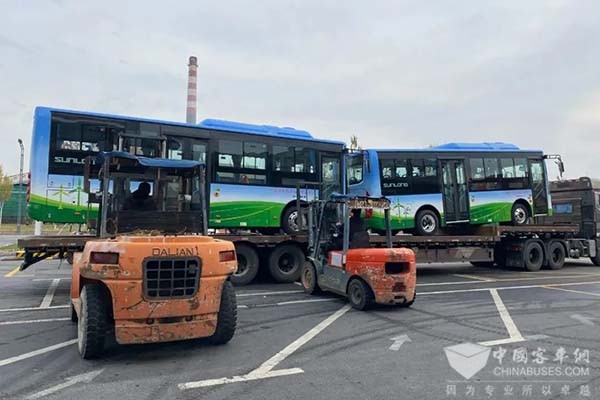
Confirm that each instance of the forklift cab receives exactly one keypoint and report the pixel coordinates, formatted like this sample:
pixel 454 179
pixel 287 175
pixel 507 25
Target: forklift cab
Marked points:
pixel 140 194
pixel 342 261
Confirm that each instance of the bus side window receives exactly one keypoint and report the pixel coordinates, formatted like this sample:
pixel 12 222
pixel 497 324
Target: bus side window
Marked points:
pixel 492 174
pixel 477 175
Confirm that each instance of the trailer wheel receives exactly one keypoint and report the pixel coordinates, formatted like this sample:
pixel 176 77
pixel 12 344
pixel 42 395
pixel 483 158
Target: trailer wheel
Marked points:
pixel 227 317
pixel 427 223
pixel 248 264
pixel 93 321
pixel 285 263
pixel 69 258
pixel 359 294
pixel 533 256
pixel 556 255
pixel 308 278
pixel 519 214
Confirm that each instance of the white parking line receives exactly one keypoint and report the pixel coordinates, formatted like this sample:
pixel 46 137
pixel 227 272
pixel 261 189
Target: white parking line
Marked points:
pixel 33 321
pixel 248 294
pixel 572 291
pixel 513 332
pixel 265 370
pixel 33 308
pixel 47 300
pixel 474 277
pixel 507 288
pixel 36 352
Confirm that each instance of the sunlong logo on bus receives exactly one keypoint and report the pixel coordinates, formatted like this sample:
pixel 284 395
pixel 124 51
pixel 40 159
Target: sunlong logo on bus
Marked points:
pixel 388 185
pixel 68 160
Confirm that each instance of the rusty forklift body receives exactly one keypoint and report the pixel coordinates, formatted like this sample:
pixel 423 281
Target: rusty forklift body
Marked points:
pixel 342 262
pixel 152 274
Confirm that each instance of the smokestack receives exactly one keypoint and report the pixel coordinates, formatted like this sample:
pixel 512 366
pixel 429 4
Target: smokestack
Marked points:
pixel 191 90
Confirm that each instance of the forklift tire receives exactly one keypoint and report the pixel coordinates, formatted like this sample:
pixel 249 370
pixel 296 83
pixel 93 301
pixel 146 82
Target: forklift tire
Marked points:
pixel 533 256
pixel 93 321
pixel 359 294
pixel 308 278
pixel 73 314
pixel 285 263
pixel 556 255
pixel 227 317
pixel 248 265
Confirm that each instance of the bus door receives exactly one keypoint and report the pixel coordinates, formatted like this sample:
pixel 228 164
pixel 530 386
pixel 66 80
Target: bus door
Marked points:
pixel 330 175
pixel 537 181
pixel 454 191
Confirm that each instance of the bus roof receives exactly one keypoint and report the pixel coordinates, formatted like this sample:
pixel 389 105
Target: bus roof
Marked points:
pixel 213 124
pixel 465 147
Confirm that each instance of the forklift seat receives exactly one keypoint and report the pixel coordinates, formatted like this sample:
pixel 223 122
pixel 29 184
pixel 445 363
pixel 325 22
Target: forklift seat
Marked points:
pixel 360 240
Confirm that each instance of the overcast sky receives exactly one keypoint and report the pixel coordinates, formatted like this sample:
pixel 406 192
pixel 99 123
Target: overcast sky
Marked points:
pixel 394 73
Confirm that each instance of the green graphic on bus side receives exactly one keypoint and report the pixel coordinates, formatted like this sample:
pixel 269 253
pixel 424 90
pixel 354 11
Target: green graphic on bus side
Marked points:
pixel 48 209
pixel 245 214
pixel 491 212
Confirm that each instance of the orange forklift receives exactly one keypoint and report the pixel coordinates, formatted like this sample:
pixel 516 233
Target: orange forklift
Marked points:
pixel 152 274
pixel 341 259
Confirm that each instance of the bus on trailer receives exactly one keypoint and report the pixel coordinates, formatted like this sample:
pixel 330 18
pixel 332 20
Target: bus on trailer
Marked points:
pixel 455 183
pixel 252 170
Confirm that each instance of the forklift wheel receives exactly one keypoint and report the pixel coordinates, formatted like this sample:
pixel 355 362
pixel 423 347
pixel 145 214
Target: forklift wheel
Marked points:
pixel 227 318
pixel 93 321
pixel 359 294
pixel 410 303
pixel 308 277
pixel 73 314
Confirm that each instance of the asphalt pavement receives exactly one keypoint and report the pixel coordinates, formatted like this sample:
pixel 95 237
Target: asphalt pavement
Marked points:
pixel 466 336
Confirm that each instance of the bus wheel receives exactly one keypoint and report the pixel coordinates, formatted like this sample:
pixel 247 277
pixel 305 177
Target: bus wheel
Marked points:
pixel 285 263
pixel 533 256
pixel 556 255
pixel 519 214
pixel 290 222
pixel 427 223
pixel 248 265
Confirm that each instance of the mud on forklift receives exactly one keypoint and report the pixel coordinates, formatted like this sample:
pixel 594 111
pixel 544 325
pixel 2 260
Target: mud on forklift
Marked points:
pixel 152 275
pixel 341 260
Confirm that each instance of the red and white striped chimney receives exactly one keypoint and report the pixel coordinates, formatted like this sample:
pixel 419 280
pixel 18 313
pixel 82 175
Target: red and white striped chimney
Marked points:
pixel 191 90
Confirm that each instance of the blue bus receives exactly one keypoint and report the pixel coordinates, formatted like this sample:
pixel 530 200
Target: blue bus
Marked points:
pixel 455 183
pixel 252 170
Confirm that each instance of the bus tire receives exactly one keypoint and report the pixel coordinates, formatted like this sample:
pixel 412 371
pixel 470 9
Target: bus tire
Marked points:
pixel 93 321
pixel 556 255
pixel 289 220
pixel 519 214
pixel 285 263
pixel 248 265
pixel 360 294
pixel 309 279
pixel 427 223
pixel 533 256
pixel 227 317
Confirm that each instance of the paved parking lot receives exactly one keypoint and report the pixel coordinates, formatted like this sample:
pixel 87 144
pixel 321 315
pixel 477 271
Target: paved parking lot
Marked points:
pixel 289 345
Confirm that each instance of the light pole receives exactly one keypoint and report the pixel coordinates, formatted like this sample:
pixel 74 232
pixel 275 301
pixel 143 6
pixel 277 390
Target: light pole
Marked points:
pixel 19 211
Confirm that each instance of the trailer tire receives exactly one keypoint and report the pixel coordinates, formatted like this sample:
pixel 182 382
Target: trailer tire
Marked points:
pixel 360 294
pixel 533 256
pixel 93 321
pixel 556 255
pixel 248 265
pixel 285 263
pixel 69 258
pixel 309 280
pixel 227 317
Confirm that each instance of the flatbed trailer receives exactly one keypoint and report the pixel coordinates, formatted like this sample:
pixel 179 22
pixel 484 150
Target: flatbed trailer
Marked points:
pixel 529 247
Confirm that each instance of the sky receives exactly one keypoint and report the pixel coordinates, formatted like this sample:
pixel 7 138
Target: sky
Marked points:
pixel 393 73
